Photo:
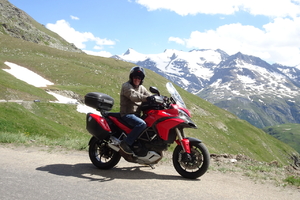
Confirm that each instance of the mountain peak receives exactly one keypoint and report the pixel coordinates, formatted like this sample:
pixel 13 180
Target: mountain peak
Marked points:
pixel 129 51
pixel 132 56
pixel 240 58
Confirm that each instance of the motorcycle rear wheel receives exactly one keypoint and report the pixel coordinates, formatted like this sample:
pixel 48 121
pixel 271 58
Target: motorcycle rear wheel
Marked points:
pixel 198 164
pixel 101 155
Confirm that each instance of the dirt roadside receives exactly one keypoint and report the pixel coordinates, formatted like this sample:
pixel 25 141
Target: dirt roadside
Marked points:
pixel 223 180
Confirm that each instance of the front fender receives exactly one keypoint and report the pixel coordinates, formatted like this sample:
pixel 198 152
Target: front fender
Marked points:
pixel 194 140
pixel 191 140
pixel 185 142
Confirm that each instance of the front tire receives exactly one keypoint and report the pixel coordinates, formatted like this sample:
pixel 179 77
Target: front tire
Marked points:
pixel 101 155
pixel 194 167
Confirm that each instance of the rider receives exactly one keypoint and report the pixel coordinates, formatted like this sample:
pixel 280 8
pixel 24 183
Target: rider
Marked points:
pixel 133 93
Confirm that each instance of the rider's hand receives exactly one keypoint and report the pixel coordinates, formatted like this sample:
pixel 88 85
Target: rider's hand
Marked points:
pixel 150 98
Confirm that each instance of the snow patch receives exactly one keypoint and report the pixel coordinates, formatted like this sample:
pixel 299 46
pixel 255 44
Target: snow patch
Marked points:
pixel 245 79
pixel 62 99
pixel 26 75
pixel 36 80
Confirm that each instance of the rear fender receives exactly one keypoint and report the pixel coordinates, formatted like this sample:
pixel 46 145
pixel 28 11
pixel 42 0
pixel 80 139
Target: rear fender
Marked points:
pixel 92 139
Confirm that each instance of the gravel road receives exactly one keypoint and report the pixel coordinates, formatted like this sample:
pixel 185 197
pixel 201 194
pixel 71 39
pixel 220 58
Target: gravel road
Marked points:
pixel 37 173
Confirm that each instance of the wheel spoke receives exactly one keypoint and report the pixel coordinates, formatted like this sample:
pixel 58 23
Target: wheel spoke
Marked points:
pixel 102 156
pixel 194 166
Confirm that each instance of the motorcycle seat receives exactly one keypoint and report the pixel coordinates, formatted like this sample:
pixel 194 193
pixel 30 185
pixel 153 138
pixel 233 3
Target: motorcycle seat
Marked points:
pixel 119 118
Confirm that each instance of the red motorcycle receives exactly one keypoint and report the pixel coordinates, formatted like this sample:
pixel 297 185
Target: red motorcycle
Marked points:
pixel 165 117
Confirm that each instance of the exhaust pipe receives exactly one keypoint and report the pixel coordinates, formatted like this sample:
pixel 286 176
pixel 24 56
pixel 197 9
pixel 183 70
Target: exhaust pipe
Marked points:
pixel 114 143
pixel 113 147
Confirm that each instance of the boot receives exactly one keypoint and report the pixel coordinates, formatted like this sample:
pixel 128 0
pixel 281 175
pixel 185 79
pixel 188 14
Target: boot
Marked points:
pixel 125 148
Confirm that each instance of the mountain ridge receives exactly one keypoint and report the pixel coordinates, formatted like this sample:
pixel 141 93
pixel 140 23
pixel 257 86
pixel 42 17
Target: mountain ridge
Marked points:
pixel 265 94
pixel 18 24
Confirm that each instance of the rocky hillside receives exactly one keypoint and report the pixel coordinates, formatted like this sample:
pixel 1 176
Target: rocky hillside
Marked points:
pixel 254 90
pixel 18 24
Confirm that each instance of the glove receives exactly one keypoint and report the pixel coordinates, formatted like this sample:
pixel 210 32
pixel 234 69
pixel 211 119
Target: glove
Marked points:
pixel 150 98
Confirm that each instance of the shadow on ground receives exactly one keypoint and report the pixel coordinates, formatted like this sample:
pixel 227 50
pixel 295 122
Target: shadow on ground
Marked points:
pixel 90 172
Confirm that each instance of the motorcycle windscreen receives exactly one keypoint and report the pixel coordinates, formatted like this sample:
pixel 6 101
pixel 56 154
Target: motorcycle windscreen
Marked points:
pixel 175 95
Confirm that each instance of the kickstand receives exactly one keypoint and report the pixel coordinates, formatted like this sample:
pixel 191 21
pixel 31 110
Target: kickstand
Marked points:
pixel 152 166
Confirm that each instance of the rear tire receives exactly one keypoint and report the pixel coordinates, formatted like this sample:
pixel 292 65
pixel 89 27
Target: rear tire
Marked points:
pixel 101 155
pixel 198 164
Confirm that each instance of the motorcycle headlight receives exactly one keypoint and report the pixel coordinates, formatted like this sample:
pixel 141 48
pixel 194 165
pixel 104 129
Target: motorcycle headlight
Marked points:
pixel 184 116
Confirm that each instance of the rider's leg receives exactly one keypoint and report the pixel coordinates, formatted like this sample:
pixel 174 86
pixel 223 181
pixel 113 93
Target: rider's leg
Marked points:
pixel 138 124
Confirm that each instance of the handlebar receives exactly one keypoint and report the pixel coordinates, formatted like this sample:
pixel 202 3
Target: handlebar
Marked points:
pixel 156 102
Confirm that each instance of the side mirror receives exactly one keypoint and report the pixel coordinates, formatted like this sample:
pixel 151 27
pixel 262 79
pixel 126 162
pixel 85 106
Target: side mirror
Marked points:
pixel 154 90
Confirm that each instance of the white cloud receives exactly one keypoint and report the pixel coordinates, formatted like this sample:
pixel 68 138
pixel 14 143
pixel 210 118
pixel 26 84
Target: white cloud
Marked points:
pixel 191 7
pixel 99 53
pixel 64 29
pixel 74 18
pixel 278 41
pixel 271 8
pixel 177 40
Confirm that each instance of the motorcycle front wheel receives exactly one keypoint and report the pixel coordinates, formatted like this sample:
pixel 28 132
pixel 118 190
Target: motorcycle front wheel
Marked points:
pixel 194 165
pixel 101 155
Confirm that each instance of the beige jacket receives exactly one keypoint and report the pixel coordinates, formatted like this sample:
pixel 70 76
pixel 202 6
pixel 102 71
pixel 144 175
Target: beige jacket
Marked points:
pixel 131 98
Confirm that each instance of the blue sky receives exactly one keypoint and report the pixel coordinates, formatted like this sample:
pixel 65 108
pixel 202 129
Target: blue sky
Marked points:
pixel 264 28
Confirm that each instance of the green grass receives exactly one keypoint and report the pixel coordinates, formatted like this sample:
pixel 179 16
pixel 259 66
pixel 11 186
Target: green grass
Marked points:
pixel 287 133
pixel 257 171
pixel 43 123
pixel 12 88
pixel 221 131
pixel 293 180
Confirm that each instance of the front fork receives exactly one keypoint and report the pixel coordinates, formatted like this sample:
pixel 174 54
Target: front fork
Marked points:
pixel 183 141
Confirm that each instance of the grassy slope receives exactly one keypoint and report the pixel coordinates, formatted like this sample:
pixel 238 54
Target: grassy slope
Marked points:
pixel 43 123
pixel 221 131
pixel 287 133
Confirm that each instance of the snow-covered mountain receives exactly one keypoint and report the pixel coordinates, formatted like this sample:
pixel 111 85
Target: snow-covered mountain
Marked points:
pixel 247 86
pixel 190 70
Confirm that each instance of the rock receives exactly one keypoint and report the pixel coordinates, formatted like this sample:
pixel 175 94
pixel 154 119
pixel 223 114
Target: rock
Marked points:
pixel 18 24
